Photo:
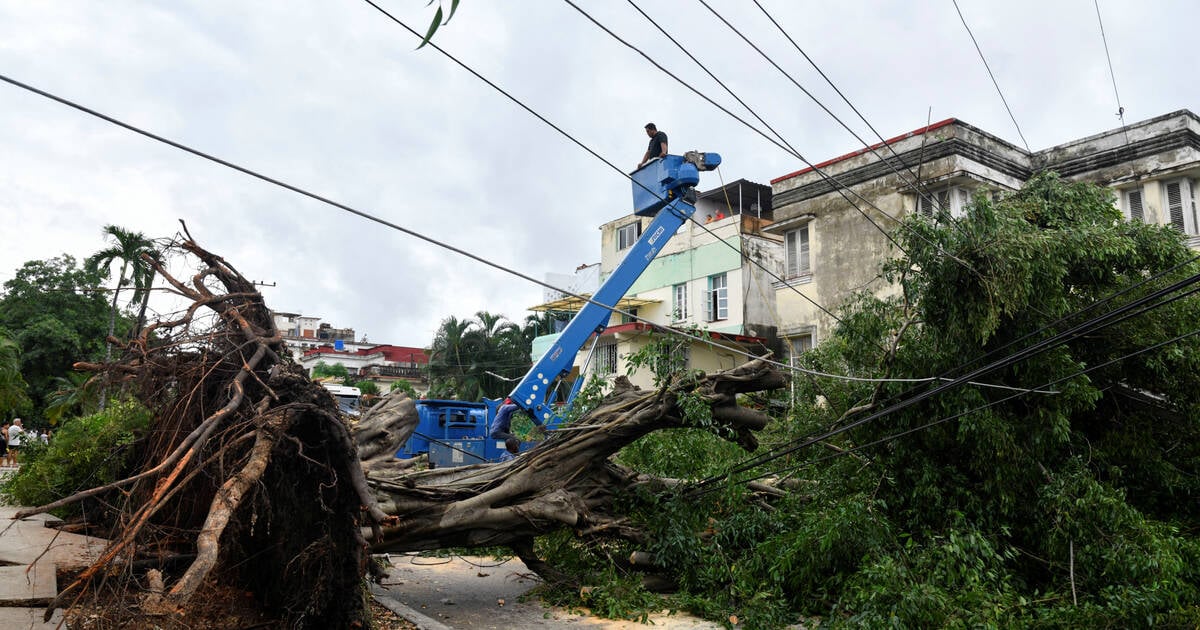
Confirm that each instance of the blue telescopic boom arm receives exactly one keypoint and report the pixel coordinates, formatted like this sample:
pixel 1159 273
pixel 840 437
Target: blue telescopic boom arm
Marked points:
pixel 664 189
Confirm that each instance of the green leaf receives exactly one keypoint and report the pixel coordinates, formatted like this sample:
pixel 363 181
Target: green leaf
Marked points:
pixel 433 27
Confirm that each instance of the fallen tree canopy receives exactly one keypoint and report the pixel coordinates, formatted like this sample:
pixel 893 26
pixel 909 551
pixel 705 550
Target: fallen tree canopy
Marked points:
pixel 249 478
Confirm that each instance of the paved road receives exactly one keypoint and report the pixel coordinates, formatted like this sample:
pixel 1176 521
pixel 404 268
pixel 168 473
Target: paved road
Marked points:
pixel 457 593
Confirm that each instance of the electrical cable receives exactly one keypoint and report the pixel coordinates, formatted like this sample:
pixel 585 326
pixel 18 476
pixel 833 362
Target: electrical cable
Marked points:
pixel 931 424
pixel 915 185
pixel 1092 325
pixel 993 77
pixel 840 188
pixel 882 142
pixel 1111 72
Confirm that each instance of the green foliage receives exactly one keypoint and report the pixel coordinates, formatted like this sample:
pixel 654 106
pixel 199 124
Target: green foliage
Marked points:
pixel 86 452
pixel 367 388
pixel 57 316
pixel 665 355
pixel 476 358
pixel 75 394
pixel 324 370
pixel 1077 508
pixel 608 591
pixel 12 384
pixel 403 386
pixel 437 20
pixel 130 248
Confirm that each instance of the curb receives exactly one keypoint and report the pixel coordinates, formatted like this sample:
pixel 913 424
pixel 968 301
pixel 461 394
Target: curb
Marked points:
pixel 385 599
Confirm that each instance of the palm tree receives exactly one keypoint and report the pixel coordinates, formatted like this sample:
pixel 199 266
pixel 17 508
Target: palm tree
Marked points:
pixel 127 247
pixel 474 358
pixel 12 384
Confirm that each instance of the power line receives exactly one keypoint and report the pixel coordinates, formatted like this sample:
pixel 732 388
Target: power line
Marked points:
pixel 1092 325
pixel 917 184
pixel 1111 72
pixel 928 425
pixel 369 216
pixel 838 186
pixel 989 71
pixel 360 213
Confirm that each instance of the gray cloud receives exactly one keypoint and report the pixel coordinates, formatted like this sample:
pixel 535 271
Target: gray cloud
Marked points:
pixel 334 98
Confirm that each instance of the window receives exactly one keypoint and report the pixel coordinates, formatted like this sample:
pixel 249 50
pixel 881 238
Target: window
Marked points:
pixel 1180 202
pixel 627 235
pixel 1133 205
pixel 798 345
pixel 606 358
pixel 629 316
pixel 679 302
pixel 953 200
pixel 796 244
pixel 716 303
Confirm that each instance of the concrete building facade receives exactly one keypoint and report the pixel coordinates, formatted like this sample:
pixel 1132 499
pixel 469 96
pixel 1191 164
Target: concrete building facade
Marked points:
pixel 831 249
pixel 702 279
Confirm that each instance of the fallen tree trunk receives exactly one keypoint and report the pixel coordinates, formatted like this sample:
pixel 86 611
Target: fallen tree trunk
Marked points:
pixel 251 474
pixel 567 481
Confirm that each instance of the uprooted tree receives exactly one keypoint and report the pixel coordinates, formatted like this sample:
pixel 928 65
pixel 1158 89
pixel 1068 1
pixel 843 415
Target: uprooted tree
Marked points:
pixel 249 478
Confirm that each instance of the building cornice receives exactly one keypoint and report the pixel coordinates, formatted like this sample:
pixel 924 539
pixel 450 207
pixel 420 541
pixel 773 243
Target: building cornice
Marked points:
pixel 909 159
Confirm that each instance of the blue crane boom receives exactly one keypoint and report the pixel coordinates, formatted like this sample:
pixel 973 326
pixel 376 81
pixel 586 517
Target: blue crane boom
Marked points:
pixel 663 189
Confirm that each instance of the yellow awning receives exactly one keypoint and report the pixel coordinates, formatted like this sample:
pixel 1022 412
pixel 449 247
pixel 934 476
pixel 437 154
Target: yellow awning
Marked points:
pixel 574 304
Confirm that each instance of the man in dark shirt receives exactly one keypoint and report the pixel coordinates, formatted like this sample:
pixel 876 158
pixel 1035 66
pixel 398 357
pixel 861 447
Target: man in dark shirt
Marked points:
pixel 501 428
pixel 658 144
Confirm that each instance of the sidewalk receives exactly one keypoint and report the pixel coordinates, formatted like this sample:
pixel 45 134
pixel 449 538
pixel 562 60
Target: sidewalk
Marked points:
pixel 30 556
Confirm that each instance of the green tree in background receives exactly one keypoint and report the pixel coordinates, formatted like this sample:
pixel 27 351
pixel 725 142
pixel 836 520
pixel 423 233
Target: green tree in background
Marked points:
pixel 57 314
pixel 325 370
pixel 128 248
pixel 13 387
pixel 476 358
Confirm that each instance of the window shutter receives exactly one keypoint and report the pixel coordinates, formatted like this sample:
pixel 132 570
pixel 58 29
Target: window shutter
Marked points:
pixel 802 252
pixel 791 255
pixel 1175 205
pixel 1134 201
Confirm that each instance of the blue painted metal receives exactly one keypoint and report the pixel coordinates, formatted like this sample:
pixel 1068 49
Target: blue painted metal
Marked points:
pixel 663 189
pixel 455 433
pixel 445 420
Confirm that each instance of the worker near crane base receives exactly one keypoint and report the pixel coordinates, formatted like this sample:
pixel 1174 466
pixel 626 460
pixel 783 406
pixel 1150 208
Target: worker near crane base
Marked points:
pixel 512 448
pixel 658 144
pixel 502 425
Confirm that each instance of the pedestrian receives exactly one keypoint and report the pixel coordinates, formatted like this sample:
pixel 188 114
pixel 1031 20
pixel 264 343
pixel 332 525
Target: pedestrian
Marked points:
pixel 4 444
pixel 16 435
pixel 512 448
pixel 658 144
pixel 44 436
pixel 501 428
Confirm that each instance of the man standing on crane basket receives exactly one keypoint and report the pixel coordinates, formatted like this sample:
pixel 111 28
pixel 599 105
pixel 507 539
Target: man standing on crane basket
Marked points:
pixel 658 144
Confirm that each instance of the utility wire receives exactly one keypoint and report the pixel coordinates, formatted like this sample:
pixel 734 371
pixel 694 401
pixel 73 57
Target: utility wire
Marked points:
pixel 626 175
pixel 989 71
pixel 838 186
pixel 361 213
pixel 1117 315
pixel 1111 72
pixel 928 425
pixel 917 184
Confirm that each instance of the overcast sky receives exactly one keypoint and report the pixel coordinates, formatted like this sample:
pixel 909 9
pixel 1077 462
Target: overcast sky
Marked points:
pixel 332 97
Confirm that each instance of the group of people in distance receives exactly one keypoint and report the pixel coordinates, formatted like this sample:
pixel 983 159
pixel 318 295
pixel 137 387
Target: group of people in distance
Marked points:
pixel 13 437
